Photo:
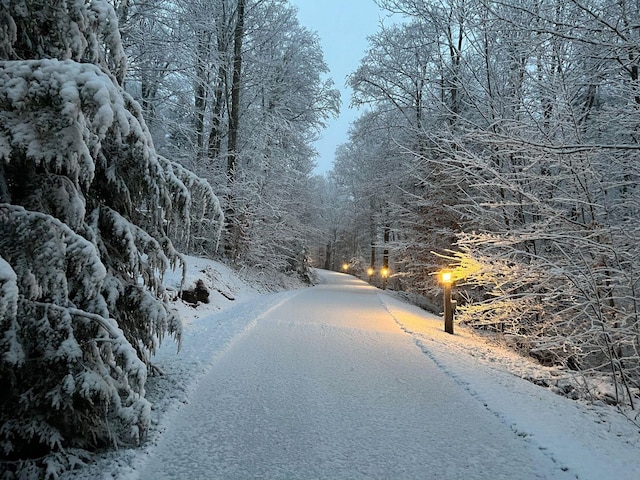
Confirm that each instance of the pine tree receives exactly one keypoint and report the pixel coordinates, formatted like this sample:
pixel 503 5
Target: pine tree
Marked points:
pixel 88 212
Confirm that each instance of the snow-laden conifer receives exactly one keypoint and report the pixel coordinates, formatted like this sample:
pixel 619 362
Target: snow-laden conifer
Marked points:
pixel 88 218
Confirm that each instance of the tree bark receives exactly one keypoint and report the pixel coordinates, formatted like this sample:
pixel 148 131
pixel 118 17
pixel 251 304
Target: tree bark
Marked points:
pixel 201 88
pixel 234 115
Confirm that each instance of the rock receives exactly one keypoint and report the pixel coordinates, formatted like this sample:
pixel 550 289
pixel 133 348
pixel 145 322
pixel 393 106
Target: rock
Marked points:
pixel 199 293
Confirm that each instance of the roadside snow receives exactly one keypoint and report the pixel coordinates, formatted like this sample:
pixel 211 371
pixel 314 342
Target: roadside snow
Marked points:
pixel 591 441
pixel 209 329
pixel 579 440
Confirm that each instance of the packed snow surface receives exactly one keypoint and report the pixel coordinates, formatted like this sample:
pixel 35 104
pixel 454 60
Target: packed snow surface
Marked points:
pixel 344 381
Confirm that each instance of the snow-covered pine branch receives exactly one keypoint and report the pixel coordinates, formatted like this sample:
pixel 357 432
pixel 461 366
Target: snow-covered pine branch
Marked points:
pixel 202 233
pixel 64 362
pixel 86 210
pixel 82 31
pixel 10 347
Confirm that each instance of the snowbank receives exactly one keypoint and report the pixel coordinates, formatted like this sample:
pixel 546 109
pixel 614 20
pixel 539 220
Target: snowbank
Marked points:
pixel 589 441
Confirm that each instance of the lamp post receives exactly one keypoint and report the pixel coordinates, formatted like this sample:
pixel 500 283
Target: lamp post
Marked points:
pixel 447 281
pixel 370 272
pixel 345 267
pixel 384 273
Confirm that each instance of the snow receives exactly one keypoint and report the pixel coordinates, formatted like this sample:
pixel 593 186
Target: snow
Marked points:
pixel 588 440
pixel 12 351
pixel 342 380
pixel 7 281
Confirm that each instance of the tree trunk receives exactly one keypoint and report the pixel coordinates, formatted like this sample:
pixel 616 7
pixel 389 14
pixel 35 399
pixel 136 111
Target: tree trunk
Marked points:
pixel 221 94
pixel 201 89
pixel 372 232
pixel 234 115
pixel 234 230
pixel 215 135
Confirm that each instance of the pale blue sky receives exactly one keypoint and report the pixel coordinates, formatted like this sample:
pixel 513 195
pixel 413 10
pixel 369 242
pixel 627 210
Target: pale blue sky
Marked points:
pixel 343 27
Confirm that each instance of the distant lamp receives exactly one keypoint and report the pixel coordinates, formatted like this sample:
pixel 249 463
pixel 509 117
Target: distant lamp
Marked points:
pixel 445 277
pixel 384 273
pixel 370 271
pixel 345 266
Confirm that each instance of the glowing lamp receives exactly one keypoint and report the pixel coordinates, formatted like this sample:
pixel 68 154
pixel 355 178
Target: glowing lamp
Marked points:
pixel 370 271
pixel 447 281
pixel 345 266
pixel 384 272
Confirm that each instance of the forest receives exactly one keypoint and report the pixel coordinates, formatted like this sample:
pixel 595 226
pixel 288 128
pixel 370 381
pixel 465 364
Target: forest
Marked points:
pixel 500 139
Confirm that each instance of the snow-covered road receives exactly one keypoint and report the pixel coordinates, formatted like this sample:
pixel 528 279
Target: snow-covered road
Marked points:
pixel 326 385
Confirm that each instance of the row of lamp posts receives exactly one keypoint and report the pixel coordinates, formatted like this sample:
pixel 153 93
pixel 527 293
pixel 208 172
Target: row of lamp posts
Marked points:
pixel 446 278
pixel 384 273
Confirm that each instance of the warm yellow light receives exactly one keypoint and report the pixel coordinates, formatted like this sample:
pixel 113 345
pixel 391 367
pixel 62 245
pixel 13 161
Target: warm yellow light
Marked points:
pixel 446 277
pixel 370 271
pixel 384 272
pixel 345 266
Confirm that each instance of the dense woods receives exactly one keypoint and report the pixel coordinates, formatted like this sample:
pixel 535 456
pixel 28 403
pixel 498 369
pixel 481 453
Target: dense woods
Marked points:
pixel 235 91
pixel 501 139
pixel 130 133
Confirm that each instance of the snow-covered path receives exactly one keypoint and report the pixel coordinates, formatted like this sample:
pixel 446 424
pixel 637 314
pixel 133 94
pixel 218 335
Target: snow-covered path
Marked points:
pixel 327 385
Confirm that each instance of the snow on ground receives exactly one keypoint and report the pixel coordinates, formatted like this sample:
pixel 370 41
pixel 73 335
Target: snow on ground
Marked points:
pixel 581 440
pixel 592 441
pixel 208 331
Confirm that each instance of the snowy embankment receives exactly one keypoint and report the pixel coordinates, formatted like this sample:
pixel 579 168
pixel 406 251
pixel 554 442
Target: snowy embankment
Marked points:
pixel 587 441
pixel 590 441
pixel 237 300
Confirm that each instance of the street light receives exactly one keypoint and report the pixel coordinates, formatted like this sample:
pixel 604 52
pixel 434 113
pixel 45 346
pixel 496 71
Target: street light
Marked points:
pixel 345 266
pixel 370 272
pixel 447 280
pixel 384 273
